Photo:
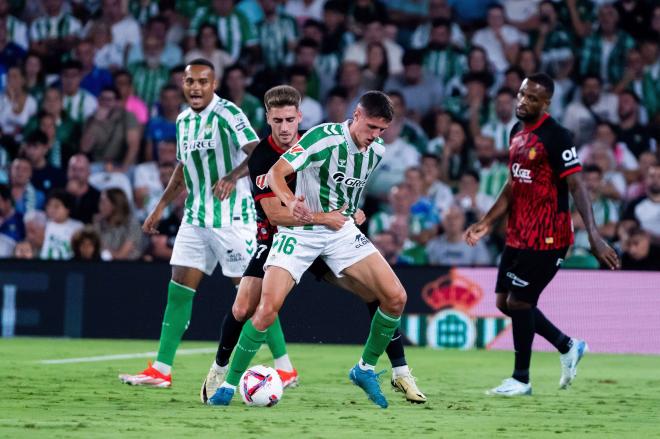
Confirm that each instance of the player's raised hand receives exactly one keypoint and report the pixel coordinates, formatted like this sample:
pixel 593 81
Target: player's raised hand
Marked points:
pixel 604 253
pixel 224 187
pixel 150 225
pixel 299 210
pixel 475 232
pixel 336 219
pixel 359 217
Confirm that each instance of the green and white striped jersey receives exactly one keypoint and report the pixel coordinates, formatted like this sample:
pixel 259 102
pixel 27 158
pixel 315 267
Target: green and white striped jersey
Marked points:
pixel 17 32
pixel 209 147
pixel 148 81
pixel 80 106
pixel 235 30
pixel 276 36
pixel 61 26
pixel 332 171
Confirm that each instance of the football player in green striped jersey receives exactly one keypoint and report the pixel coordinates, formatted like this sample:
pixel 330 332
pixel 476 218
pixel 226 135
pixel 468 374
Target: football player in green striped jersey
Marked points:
pixel 333 163
pixel 214 139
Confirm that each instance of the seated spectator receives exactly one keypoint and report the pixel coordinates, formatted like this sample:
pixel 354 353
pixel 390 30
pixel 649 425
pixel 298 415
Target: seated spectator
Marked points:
pixel 499 127
pixel 150 75
pixel 474 203
pixel 438 10
pixel 79 104
pixel 450 248
pixel 492 173
pixel 475 108
pixel 35 231
pixel 121 235
pixel 163 127
pixel 16 105
pixel 151 178
pixel 440 124
pixel 35 76
pixel 375 72
pixel 10 52
pixel 307 56
pixel 424 214
pixel 162 244
pixel 374 31
pixel 23 250
pixel 501 41
pixel 641 254
pixel 53 34
pixel 443 60
pixel 551 42
pixel 457 154
pixel 565 87
pixel 86 244
pixel 59 227
pixel 477 63
pixel 94 78
pixel 12 229
pixel 208 47
pixel 646 210
pixel 387 244
pixel 350 79
pixel 630 131
pixel 107 54
pixel 85 197
pixel 435 190
pixel 44 175
pixel 169 56
pixel 129 101
pixel 411 132
pixel 336 105
pixel 112 134
pixel 312 113
pixel 606 135
pixel 650 49
pixel 109 177
pixel 26 196
pixel 234 88
pixel 615 182
pixel 527 61
pixel 17 29
pixel 637 188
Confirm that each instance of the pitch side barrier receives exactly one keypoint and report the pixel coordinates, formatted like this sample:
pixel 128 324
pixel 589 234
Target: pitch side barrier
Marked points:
pixel 446 309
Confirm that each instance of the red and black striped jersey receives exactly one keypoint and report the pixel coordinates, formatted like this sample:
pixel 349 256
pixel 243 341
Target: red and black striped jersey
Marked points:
pixel 540 157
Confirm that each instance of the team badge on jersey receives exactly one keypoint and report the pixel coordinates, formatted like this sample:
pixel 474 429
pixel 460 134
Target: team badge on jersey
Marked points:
pixel 207 130
pixel 261 181
pixel 532 153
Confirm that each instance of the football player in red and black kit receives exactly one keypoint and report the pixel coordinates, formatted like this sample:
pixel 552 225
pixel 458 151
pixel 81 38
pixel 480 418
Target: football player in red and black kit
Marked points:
pixel 283 116
pixel 543 169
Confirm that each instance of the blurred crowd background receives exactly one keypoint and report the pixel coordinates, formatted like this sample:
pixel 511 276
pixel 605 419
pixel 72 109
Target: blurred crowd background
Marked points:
pixel 90 91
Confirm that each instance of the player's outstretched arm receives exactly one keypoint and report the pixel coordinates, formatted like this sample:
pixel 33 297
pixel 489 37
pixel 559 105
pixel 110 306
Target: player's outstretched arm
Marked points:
pixel 482 227
pixel 279 215
pixel 226 185
pixel 599 247
pixel 276 179
pixel 173 189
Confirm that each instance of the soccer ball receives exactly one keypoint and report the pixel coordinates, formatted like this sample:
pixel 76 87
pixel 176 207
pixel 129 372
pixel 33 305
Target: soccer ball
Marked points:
pixel 261 386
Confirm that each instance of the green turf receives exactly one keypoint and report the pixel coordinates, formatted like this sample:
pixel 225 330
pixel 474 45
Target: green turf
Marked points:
pixel 614 396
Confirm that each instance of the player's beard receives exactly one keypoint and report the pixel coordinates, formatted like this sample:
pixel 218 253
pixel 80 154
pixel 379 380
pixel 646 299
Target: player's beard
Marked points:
pixel 527 117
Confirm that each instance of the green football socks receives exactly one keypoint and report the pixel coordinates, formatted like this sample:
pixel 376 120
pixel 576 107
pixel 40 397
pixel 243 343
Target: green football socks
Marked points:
pixel 248 345
pixel 275 339
pixel 175 321
pixel 380 335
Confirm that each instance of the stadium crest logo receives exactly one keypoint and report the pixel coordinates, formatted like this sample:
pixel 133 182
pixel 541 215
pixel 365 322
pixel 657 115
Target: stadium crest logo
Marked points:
pixel 453 324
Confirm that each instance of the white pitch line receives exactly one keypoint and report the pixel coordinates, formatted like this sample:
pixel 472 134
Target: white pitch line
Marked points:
pixel 125 356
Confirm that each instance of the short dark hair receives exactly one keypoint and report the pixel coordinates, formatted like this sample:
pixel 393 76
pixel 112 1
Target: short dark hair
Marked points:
pixel 592 168
pixel 72 64
pixel 428 155
pixel 201 62
pixel 307 42
pixel 397 94
pixel 36 137
pixel 441 22
pixel 123 72
pixel 282 96
pixel 169 87
pixel 338 92
pixel 62 196
pixel 335 6
pixel 112 89
pixel 544 81
pixel 413 57
pixel 377 104
pixel 588 76
pixel 297 70
pixel 5 193
pixel 310 22
pixel 631 94
pixel 472 173
pixel 506 91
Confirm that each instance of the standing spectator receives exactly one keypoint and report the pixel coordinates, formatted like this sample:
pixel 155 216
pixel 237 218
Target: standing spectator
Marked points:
pixel 551 42
pixel 493 174
pixel 630 131
pixel 604 52
pixel 12 229
pixel 150 75
pixel 441 59
pixel 207 46
pixel 450 249
pixel 235 30
pixel 646 209
pixel 374 32
pixel 499 127
pixel 500 40
pixel 45 176
pixel 582 116
pixel 60 227
pixel 17 31
pixel 26 197
pixel 16 105
pixel 312 113
pixel 233 88
pixel 170 55
pixel 54 35
pixel 130 102
pixel 112 135
pixel 85 198
pixel 94 78
pixel 277 34
pixel 434 189
pixel 86 244
pixel 163 126
pixel 35 230
pixel 121 235
pixel 79 104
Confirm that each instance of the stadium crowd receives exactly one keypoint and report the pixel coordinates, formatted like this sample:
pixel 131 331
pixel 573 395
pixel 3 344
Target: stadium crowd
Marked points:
pixel 90 91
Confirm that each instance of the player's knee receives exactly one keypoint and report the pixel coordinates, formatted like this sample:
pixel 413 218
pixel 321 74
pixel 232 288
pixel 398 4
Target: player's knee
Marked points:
pixel 395 301
pixel 514 304
pixel 241 311
pixel 501 305
pixel 263 318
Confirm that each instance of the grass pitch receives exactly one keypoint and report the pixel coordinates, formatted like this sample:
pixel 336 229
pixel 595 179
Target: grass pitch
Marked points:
pixel 614 396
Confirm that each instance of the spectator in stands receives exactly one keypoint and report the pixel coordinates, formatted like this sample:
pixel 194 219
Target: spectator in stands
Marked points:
pixel 650 50
pixel 450 248
pixel 421 92
pixel 12 229
pixel 336 105
pixel 374 32
pixel 442 60
pixel 594 59
pixel 85 198
pixel 424 214
pixel 474 203
pixel 634 17
pixel 493 174
pixel 646 209
pixel 307 56
pixel 170 54
pixel 602 156
pixel 303 10
pixel 606 135
pixel 107 54
pixel 79 104
pixel 16 105
pixel 641 253
pixel 637 187
pixel 411 132
pixel 130 102
pixel 335 40
pixel 440 124
pixel 551 42
pixel 94 78
pixel 86 244
pixel 150 74
pixel 45 176
pixel 476 105
pixel 477 63
pixel 435 190
pixel 163 126
pixel 35 76
pixel 54 34
pixel 151 178
pixel 456 154
pixel 501 41
pixel 277 34
pixel 26 197
pixel 513 78
pixel 499 127
pixel 161 245
pixel 527 61
pixel 312 113
pixel 10 53
pixel 17 31
pixel 630 131
pixel 565 87
pixel 388 245
pixel 35 229
pixel 121 235
pixel 207 46
pixel 594 105
pixel 112 134
pixel 376 70
pixel 59 227
pixel 350 78
pixel 125 29
pixel 438 10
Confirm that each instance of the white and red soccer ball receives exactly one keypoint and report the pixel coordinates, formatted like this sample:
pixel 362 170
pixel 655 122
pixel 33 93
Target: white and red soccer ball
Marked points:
pixel 261 386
